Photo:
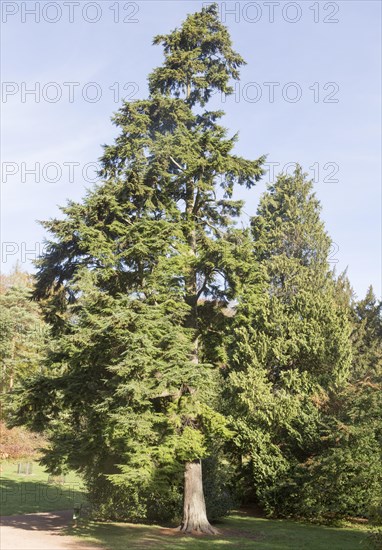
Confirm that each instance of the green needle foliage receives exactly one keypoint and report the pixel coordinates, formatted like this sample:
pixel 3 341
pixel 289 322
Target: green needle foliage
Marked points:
pixel 289 349
pixel 176 337
pixel 134 282
pixel 345 477
pixel 23 333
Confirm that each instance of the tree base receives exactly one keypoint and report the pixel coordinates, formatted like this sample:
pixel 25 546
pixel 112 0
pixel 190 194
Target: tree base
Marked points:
pixel 198 529
pixel 195 521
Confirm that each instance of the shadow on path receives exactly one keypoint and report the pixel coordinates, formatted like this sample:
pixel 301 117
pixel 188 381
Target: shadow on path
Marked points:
pixel 39 532
pixel 43 521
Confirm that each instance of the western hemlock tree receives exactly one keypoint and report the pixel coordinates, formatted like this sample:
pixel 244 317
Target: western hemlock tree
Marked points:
pixel 135 279
pixel 289 348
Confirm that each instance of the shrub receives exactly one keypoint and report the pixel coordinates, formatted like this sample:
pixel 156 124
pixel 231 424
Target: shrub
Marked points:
pixel 136 504
pixel 19 443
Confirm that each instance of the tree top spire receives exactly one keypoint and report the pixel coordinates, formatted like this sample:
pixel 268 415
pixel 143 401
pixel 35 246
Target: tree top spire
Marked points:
pixel 199 59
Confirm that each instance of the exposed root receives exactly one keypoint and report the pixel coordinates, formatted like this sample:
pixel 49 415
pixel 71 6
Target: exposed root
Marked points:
pixel 199 529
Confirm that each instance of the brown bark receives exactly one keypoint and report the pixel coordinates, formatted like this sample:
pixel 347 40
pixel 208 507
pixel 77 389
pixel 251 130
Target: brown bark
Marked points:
pixel 194 506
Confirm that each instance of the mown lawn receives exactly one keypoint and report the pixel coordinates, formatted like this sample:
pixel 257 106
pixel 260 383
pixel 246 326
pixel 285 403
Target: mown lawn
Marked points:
pixel 237 531
pixel 22 494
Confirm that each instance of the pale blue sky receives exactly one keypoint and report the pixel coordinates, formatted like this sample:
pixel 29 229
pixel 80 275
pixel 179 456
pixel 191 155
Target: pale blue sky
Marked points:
pixel 333 129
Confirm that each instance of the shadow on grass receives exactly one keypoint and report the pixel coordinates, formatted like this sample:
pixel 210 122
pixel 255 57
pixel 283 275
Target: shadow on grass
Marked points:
pixel 237 531
pixel 28 496
pixel 122 536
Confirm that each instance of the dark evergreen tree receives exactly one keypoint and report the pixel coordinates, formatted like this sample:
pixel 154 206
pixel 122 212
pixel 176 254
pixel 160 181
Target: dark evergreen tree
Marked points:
pixel 345 476
pixel 289 349
pixel 134 282
pixel 367 337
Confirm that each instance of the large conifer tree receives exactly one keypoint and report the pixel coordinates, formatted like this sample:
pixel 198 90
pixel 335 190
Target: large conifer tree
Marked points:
pixel 289 347
pixel 134 279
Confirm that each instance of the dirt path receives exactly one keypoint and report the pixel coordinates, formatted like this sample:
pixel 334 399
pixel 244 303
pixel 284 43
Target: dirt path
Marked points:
pixel 39 532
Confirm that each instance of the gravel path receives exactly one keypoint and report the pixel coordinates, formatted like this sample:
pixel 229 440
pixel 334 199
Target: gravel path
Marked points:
pixel 39 532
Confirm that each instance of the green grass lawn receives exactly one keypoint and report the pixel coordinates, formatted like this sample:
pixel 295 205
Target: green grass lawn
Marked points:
pixel 22 494
pixel 237 531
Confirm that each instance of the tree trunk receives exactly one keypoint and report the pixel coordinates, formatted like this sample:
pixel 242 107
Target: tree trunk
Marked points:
pixel 194 506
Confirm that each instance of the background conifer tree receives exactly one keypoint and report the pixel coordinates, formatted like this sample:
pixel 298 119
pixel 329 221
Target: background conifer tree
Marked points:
pixel 289 346
pixel 23 334
pixel 344 476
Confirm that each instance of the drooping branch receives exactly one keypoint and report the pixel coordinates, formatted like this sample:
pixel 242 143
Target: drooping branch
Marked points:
pixel 176 164
pixel 213 227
